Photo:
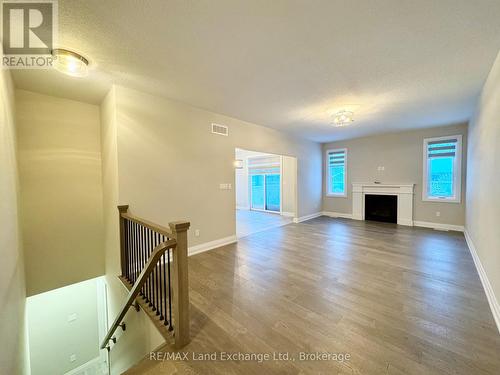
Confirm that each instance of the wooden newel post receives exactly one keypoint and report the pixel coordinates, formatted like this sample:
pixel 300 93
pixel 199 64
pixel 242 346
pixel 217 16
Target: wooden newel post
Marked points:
pixel 123 256
pixel 180 303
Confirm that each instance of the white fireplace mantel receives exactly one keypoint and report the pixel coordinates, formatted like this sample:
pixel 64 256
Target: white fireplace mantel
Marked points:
pixel 404 192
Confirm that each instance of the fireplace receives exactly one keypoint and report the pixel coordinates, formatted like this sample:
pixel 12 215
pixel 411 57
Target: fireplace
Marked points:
pixel 403 193
pixel 381 208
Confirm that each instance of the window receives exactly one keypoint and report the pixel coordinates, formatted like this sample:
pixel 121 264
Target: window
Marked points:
pixel 442 169
pixel 336 172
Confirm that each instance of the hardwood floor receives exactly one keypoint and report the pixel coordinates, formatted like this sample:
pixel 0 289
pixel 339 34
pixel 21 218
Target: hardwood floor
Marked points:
pixel 250 222
pixel 399 300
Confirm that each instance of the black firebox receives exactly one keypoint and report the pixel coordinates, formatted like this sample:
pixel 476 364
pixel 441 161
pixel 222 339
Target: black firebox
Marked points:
pixel 381 208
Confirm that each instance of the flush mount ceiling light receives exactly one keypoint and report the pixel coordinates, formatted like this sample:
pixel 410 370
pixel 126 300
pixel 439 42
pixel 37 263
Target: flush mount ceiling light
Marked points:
pixel 342 118
pixel 70 63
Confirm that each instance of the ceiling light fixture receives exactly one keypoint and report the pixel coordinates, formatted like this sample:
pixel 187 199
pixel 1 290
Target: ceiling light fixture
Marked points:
pixel 238 164
pixel 70 63
pixel 342 118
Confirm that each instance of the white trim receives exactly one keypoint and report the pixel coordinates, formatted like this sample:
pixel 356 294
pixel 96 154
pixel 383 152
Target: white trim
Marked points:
pixel 243 208
pixel 102 316
pixel 407 222
pixel 457 171
pixel 192 250
pixel 327 166
pixel 438 226
pixel 337 214
pixel 297 220
pixel 424 224
pixel 281 185
pixel 404 192
pixel 266 211
pixel 80 370
pixel 287 214
pixel 488 290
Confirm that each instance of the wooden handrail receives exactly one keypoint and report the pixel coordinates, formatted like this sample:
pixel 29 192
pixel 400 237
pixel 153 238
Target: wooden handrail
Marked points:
pixel 134 292
pixel 145 223
pixel 161 286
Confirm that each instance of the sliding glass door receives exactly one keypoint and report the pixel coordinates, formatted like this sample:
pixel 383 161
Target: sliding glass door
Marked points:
pixel 265 192
pixel 258 192
pixel 273 192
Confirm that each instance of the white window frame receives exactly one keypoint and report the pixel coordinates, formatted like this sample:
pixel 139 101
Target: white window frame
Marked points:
pixel 457 171
pixel 328 177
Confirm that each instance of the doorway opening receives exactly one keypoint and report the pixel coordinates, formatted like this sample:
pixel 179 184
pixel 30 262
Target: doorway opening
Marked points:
pixel 265 186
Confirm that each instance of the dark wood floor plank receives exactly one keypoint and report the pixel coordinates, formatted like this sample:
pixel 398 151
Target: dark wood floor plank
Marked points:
pixel 400 300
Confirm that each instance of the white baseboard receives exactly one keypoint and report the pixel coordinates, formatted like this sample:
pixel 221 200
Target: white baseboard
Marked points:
pixel 192 250
pixel 425 224
pixel 297 220
pixel 490 295
pixel 337 214
pixel 287 214
pixel 408 223
pixel 93 366
pixel 243 208
pixel 439 226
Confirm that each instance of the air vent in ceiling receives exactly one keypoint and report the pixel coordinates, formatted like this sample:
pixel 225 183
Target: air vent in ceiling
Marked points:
pixel 220 129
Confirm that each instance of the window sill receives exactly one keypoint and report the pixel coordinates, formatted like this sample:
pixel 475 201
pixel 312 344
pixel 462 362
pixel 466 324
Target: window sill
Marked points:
pixel 444 200
pixel 336 195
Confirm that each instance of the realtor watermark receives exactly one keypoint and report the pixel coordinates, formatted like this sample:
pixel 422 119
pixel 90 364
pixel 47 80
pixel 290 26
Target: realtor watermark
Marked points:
pixel 222 356
pixel 29 33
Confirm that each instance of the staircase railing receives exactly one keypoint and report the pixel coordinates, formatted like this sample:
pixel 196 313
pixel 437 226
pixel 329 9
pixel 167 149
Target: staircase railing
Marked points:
pixel 154 269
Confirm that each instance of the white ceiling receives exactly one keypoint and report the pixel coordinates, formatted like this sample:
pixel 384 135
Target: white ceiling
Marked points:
pixel 287 64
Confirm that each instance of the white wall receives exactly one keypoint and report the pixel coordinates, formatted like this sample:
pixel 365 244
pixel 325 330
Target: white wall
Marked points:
pixel 61 190
pixel 141 336
pixel 289 185
pixel 52 338
pixel 241 181
pixel 483 188
pixel 13 356
pixel 159 157
pixel 401 154
pixel 170 165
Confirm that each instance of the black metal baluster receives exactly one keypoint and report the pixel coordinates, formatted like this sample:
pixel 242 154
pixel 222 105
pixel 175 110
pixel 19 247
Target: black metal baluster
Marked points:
pixel 150 278
pixel 153 275
pixel 127 256
pixel 144 256
pixel 146 286
pixel 132 255
pixel 169 295
pixel 124 271
pixel 128 250
pixel 156 279
pixel 164 287
pixel 141 263
pixel 144 248
pixel 160 300
pixel 127 246
pixel 136 255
